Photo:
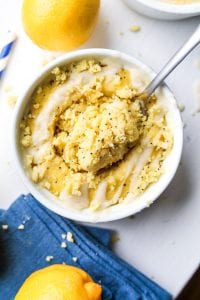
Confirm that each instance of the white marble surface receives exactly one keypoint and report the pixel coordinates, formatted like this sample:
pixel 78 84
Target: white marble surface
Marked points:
pixel 162 241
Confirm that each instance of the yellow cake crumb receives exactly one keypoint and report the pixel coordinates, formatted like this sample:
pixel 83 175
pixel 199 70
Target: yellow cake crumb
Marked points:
pixel 63 245
pixel 12 100
pixel 39 90
pixel 70 237
pixel 46 184
pixel 4 227
pixel 114 238
pixel 49 258
pixel 26 141
pixel 74 259
pixel 29 160
pixel 36 106
pixel 135 28
pixel 181 107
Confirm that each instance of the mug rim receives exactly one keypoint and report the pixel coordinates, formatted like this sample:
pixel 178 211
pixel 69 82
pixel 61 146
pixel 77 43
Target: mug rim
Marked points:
pixel 34 189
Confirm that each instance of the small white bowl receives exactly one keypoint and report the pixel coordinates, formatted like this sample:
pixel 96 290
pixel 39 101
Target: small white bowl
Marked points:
pixel 164 10
pixel 123 209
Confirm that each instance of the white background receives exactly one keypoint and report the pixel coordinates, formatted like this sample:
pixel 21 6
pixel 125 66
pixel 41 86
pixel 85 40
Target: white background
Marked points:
pixel 164 240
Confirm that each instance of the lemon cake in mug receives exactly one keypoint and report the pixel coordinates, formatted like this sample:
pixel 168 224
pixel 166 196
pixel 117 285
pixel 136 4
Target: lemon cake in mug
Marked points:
pixel 89 136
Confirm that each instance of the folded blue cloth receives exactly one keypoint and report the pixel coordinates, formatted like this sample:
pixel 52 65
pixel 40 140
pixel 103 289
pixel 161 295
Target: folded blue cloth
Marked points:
pixel 24 251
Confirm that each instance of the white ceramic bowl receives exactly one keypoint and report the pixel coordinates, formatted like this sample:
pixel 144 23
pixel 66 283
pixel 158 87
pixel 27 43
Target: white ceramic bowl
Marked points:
pixel 164 10
pixel 120 210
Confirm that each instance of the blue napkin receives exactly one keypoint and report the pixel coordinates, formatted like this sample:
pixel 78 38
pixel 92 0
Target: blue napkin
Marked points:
pixel 24 251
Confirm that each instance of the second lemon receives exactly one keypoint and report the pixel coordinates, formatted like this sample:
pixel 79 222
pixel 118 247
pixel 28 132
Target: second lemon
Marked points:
pixel 59 282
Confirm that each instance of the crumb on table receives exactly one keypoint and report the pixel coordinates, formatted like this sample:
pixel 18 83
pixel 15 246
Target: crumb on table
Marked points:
pixel 181 107
pixel 135 28
pixel 115 238
pixel 11 100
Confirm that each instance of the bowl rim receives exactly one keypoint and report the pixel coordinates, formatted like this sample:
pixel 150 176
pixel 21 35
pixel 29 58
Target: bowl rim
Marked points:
pixel 172 8
pixel 19 111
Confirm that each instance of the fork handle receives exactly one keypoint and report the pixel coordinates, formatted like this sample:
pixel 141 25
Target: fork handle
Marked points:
pixel 176 59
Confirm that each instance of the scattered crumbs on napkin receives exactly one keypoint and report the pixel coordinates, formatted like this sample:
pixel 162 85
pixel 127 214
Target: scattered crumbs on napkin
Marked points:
pixel 21 227
pixel 49 258
pixel 4 227
pixel 119 279
pixel 115 238
pixel 181 107
pixel 121 33
pixel 107 22
pixel 63 245
pixel 70 237
pixel 135 28
pixel 196 92
pixel 75 258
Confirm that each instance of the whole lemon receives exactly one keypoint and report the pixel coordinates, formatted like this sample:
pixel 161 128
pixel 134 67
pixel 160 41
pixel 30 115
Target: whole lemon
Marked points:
pixel 59 24
pixel 59 282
